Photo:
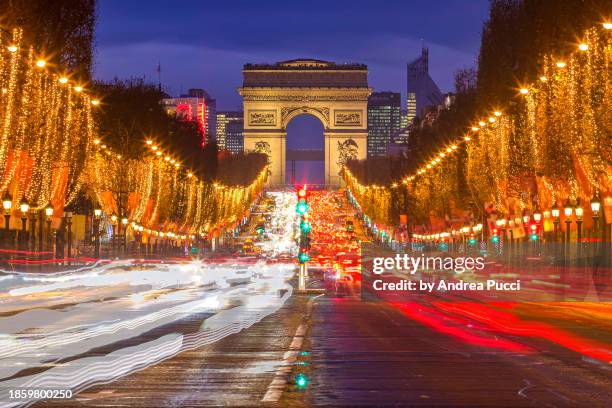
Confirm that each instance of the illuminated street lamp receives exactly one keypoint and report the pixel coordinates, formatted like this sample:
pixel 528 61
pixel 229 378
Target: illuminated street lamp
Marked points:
pixel 595 208
pixel 556 213
pixel 49 214
pixel 7 203
pixel 114 226
pixel 124 222
pixel 96 231
pixel 537 216
pixel 24 207
pixel 579 213
pixel 568 213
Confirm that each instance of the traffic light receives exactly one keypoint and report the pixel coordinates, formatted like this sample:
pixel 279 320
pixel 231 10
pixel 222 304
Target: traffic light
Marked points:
pixel 301 380
pixel 305 226
pixel 302 193
pixel 495 236
pixel 302 208
pixel 303 256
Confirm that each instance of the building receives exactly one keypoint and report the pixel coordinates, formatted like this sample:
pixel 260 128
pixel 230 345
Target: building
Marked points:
pixel 402 136
pixel 234 135
pixel 422 91
pixel 197 106
pixel 223 118
pixel 384 117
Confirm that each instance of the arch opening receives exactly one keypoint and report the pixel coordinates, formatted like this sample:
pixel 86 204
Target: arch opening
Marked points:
pixel 305 150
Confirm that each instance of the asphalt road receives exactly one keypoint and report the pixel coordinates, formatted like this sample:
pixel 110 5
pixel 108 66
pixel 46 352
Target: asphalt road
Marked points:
pixel 372 354
pixel 235 371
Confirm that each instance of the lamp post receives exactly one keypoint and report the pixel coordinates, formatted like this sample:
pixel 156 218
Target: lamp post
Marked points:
pixel 595 208
pixel 7 203
pixel 33 230
pixel 511 230
pixel 24 207
pixel 49 214
pixel 69 232
pixel 556 213
pixel 114 225
pixel 568 220
pixel 579 213
pixel 124 221
pixel 96 231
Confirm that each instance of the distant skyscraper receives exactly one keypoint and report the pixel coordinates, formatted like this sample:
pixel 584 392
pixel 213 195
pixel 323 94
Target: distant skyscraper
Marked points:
pixel 422 91
pixel 234 135
pixel 225 118
pixel 196 106
pixel 383 121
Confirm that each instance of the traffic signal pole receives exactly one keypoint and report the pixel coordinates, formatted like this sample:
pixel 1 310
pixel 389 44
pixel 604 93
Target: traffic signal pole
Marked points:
pixel 303 256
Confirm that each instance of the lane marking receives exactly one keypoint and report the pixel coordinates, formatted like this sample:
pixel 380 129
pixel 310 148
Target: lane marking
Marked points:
pixel 279 382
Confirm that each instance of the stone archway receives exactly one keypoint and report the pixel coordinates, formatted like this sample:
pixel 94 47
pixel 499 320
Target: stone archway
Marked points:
pixel 336 94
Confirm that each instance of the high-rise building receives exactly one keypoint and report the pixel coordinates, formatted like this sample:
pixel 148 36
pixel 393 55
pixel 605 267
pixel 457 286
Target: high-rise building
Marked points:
pixel 196 106
pixel 234 136
pixel 223 118
pixel 422 91
pixel 383 121
pixel 230 123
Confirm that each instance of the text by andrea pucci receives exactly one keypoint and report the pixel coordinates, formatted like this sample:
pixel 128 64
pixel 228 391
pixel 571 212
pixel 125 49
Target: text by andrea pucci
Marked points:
pixel 421 273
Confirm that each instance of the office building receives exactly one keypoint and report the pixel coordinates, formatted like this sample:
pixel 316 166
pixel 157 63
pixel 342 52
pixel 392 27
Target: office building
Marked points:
pixel 422 91
pixel 223 118
pixel 234 135
pixel 383 121
pixel 196 106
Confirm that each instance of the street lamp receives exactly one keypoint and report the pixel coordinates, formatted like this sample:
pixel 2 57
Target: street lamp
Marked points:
pixel 24 207
pixel 96 227
pixel 579 213
pixel 568 213
pixel 124 222
pixel 556 213
pixel 114 225
pixel 69 233
pixel 7 203
pixel 595 208
pixel 49 214
pixel 537 216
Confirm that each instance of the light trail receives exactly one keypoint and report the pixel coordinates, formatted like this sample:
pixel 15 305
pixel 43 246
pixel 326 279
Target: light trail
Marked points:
pixel 101 304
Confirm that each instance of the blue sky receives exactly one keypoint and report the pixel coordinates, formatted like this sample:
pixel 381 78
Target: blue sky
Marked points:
pixel 203 44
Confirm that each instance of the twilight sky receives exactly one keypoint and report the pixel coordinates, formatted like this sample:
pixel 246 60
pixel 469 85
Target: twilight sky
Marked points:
pixel 203 44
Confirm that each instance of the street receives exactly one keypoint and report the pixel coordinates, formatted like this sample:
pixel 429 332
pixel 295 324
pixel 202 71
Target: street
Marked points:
pixel 133 333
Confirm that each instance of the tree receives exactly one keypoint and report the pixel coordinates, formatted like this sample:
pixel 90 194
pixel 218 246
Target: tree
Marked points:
pixel 61 31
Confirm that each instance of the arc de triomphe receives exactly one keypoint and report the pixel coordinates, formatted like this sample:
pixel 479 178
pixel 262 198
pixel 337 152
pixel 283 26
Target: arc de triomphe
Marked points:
pixel 336 94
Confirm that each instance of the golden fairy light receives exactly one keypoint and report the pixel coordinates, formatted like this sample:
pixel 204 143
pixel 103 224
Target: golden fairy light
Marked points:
pixel 555 136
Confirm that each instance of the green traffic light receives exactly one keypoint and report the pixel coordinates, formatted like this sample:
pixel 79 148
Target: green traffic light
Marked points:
pixel 302 208
pixel 534 237
pixel 305 226
pixel 303 257
pixel 472 241
pixel 495 239
pixel 301 380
